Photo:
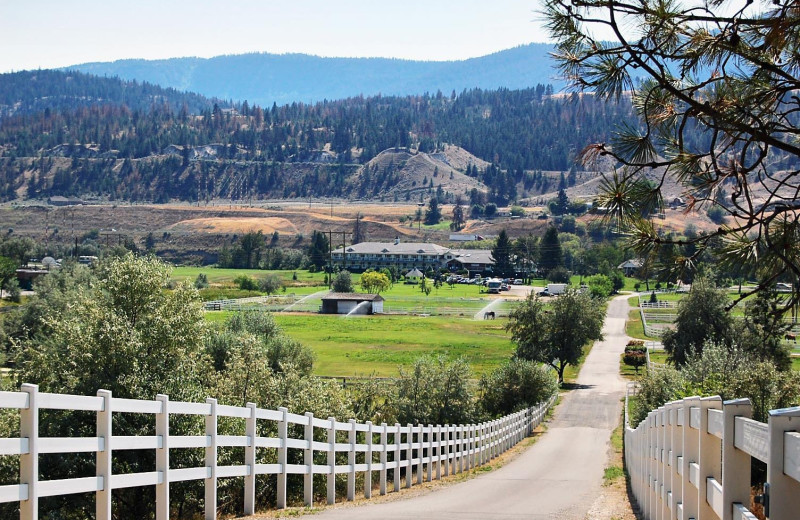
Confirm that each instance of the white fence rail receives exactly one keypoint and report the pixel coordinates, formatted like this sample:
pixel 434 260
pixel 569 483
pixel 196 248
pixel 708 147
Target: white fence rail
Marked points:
pixel 424 452
pixel 691 459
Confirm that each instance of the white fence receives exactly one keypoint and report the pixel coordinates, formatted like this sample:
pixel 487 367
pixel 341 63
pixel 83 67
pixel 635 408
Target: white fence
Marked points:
pixel 423 451
pixel 691 459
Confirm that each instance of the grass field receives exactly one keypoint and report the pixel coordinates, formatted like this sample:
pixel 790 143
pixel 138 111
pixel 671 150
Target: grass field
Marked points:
pixel 378 345
pixel 225 276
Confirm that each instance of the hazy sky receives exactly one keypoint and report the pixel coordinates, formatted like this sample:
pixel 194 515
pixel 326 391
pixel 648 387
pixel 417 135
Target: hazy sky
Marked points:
pixel 54 33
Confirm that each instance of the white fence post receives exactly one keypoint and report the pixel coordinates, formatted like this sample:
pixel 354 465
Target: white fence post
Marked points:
pixel 162 458
pixel 735 462
pixel 784 491
pixel 283 451
pixel 384 457
pixel 29 462
pixel 351 461
pixel 397 438
pixel 691 453
pixel 710 460
pixel 332 461
pixel 438 451
pixel 211 462
pixel 250 461
pixel 676 450
pixel 368 462
pixel 308 461
pixel 409 455
pixel 420 448
pixel 446 450
pixel 429 472
pixel 103 458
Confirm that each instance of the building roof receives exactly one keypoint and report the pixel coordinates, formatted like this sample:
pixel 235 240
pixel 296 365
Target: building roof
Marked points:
pixel 358 297
pixel 473 256
pixel 633 263
pixel 414 273
pixel 402 248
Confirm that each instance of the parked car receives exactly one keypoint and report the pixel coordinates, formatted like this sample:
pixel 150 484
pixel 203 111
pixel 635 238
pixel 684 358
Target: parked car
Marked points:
pixel 518 281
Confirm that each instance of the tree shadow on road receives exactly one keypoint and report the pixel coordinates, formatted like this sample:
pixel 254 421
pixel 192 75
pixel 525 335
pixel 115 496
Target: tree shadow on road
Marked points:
pixel 575 386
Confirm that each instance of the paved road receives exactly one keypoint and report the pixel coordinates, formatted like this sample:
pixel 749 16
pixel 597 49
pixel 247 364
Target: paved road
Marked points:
pixel 560 475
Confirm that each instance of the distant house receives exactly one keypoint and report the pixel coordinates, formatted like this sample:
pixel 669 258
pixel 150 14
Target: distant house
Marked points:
pixel 464 237
pixel 402 255
pixel 356 303
pixel 414 276
pixel 473 260
pixel 58 200
pixel 630 267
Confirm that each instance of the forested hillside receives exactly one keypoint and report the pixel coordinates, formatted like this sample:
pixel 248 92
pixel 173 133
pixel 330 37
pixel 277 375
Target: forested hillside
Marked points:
pixel 264 79
pixel 138 142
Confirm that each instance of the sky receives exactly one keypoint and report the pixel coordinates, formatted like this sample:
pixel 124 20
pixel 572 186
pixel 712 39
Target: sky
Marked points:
pixel 56 33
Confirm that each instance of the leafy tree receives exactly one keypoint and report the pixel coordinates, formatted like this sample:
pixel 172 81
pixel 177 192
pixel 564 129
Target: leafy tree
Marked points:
pixel 702 317
pixel 727 71
pixel 761 332
pixel 490 210
pixel 458 214
pixel 343 282
pixel 600 286
pixel 433 215
pixel 201 282
pixel 123 332
pixel 359 234
pixel 558 275
pixel 318 251
pixel 501 255
pixel 517 211
pixel 635 356
pixel 8 270
pixel 19 249
pixel 246 283
pixel 279 352
pixel 425 286
pixel 374 282
pixel 516 385
pixel 270 284
pixel 550 253
pixel 556 336
pixel 435 391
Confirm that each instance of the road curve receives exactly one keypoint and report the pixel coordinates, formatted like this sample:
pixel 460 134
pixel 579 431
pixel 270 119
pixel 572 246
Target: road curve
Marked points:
pixel 559 476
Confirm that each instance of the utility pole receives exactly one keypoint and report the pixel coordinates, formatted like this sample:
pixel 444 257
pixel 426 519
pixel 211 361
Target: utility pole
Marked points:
pixel 330 252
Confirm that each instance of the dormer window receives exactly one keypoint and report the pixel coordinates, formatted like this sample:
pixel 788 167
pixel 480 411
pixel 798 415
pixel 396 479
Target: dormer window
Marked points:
pixel 350 249
pixel 384 250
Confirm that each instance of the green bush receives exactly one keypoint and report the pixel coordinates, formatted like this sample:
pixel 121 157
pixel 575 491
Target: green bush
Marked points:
pixel 516 385
pixel 246 283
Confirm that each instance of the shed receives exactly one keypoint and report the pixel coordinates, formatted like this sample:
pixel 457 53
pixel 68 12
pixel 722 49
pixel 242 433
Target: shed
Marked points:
pixel 356 303
pixel 414 276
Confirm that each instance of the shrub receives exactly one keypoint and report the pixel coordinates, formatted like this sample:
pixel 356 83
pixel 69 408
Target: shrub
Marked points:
pixel 343 282
pixel 201 282
pixel 245 283
pixel 516 385
pixel 558 275
pixel 634 358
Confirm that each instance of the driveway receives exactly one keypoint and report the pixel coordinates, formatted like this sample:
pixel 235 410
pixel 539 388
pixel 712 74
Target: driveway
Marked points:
pixel 558 477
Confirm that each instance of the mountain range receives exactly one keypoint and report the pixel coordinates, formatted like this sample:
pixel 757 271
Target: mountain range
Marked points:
pixel 264 79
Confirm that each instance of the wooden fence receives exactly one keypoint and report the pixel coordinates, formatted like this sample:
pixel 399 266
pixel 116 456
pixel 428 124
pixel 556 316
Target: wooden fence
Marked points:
pixel 423 451
pixel 691 459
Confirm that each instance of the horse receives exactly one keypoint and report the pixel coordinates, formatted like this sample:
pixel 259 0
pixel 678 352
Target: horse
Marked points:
pixel 488 315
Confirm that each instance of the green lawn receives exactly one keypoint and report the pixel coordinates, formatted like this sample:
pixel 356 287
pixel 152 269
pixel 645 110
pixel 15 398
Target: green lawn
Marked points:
pixel 225 276
pixel 367 345
pixel 796 363
pixel 634 327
